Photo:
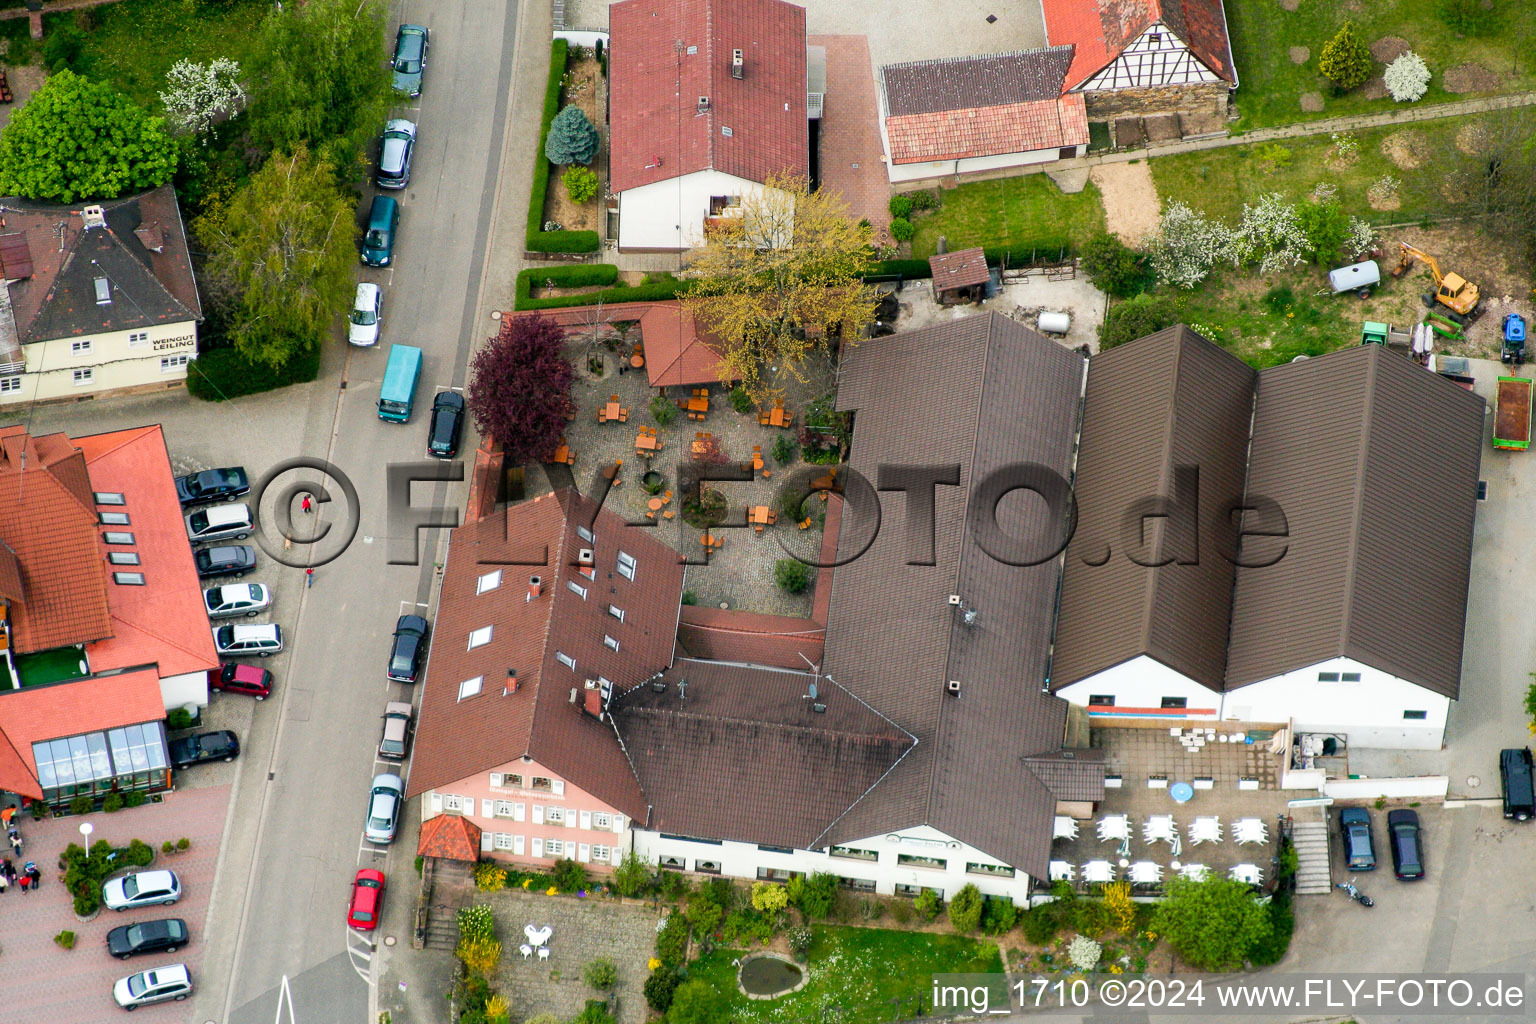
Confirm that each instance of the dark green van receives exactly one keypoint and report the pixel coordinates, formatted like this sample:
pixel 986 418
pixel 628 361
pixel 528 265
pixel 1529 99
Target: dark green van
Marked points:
pixel 379 242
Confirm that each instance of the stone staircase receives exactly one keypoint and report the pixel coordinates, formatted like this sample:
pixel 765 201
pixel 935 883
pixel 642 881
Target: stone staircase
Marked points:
pixel 452 883
pixel 1312 874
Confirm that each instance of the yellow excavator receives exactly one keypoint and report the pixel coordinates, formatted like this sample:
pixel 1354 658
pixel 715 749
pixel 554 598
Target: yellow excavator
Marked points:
pixel 1452 291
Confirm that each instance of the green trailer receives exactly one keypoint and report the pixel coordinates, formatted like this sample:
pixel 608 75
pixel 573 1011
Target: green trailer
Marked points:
pixel 1512 418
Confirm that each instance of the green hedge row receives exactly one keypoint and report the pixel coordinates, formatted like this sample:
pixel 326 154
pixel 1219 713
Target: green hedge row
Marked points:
pixel 589 274
pixel 222 373
pixel 540 240
pixel 1045 249
pixel 909 269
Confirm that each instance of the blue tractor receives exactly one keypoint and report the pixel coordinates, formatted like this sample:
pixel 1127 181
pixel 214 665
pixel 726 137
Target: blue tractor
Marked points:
pixel 1514 339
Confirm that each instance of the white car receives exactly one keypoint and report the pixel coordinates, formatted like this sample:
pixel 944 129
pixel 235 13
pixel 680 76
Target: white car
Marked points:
pixel 261 639
pixel 237 599
pixel 141 889
pixel 384 808
pixel 367 314
pixel 173 981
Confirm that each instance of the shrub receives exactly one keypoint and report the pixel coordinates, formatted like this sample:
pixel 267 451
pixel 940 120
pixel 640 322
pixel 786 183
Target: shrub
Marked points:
pixel 660 986
pixel 800 943
pixel 1115 267
pixel 901 912
pixel 769 896
pixel 39 810
pixel 496 1010
pixel 998 915
pixel 792 575
pixel 222 373
pixel 871 909
pixel 1127 321
pixel 1271 949
pixel 818 893
pixel 634 876
pixel 570 875
pixel 965 909
pixel 139 853
pixel 112 802
pixel 1119 906
pixel 1188 245
pixel 66 939
pixel 167 847
pixel 580 184
pixel 1084 953
pixel 81 805
pixel 923 199
pixel 183 843
pixel 911 270
pixel 927 905
pixel 489 877
pixel 1326 227
pixel 902 229
pixel 135 798
pixel 536 238
pixel 476 922
pixel 673 885
pixel 571 138
pixel 703 913
pixel 600 973
pixel 1039 924
pixel 87 903
pixel 179 718
pixel 662 410
pixel 1345 60
pixel 696 1002
pixel 690 597
pixel 1469 17
pixel 595 1012
pixel 901 207
pixel 672 941
pixel 785 448
pixel 741 400
pixel 1407 78
pixel 1273 155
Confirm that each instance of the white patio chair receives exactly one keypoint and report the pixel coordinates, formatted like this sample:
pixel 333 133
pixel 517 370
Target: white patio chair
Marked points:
pixel 543 952
pixel 1145 872
pixel 1062 871
pixel 1098 871
pixel 1064 828
pixel 1205 830
pixel 1159 828
pixel 1195 872
pixel 1250 830
pixel 526 950
pixel 1248 873
pixel 1114 827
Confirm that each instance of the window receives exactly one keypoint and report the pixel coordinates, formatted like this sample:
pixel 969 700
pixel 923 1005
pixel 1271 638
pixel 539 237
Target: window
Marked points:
pixel 776 874
pixel 693 839
pixel 470 687
pixel 515 781
pixel 113 518
pixel 480 637
pixel 601 854
pixel 857 884
pixel 490 581
pixel 138 339
pixel 616 612
pixel 80 348
pixel 1482 485
pixel 554 847
pixel 626 566
pixel 503 841
pixel 852 853
pixel 115 537
pixel 566 660
pixel 585 534
pixel 1415 716
pixel 1175 702
pixel 170 364
pixel 9 385
pixel 129 579
pixel 123 557
pixel 1327 677
pixel 673 862
pixel 775 849
pixel 576 588
pixel 453 803
pixel 1106 700
pixel 602 821
pixel 917 890
pixel 503 809
pixel 84 376
pixel 554 815
pixel 109 498
pixel 1349 677
pixel 988 869
pixel 610 642
pixel 541 784
pixel 707 867
pixel 912 860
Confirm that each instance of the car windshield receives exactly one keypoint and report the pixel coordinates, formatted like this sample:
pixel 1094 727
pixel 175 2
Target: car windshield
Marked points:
pixel 199 521
pixel 376 239
pixel 408 55
pixel 137 985
pixel 131 886
pixel 364 317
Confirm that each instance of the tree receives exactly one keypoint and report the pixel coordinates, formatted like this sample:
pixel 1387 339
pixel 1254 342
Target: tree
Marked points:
pixel 1188 246
pixel 572 139
pixel 1326 227
pixel 1115 267
pixel 1406 78
pixel 280 257
pixel 1212 924
pixel 776 283
pixel 965 909
pixel 695 1002
pixel 660 987
pixel 319 76
pixel 479 954
pixel 580 183
pixel 1345 60
pixel 600 973
pixel 1141 316
pixel 634 875
pixel 201 94
pixel 519 387
pixel 1496 181
pixel 1271 232
pixel 79 139
pixel 769 897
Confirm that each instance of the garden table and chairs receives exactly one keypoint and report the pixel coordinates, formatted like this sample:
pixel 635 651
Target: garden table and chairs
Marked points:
pixel 1159 828
pixel 1249 830
pixel 1061 871
pixel 1145 872
pixel 702 445
pixel 1247 873
pixel 612 412
pixel 1195 872
pixel 1064 828
pixel 563 455
pixel 1205 830
pixel 1113 828
pixel 1101 871
pixel 647 443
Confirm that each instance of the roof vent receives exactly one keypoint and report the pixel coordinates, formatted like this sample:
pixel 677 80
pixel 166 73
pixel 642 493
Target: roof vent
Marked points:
pixel 150 236
pixel 659 686
pixel 594 704
pixel 703 104
pixel 737 67
pixel 535 585
pixel 820 709
pixel 511 685
pixel 573 695
pixel 103 292
pixel 93 217
pixel 725 130
pixel 954 600
pixel 971 618
pixel 952 687
pixel 584 556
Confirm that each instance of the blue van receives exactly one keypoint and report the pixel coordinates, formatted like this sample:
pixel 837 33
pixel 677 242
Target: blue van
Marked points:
pixel 379 239
pixel 397 395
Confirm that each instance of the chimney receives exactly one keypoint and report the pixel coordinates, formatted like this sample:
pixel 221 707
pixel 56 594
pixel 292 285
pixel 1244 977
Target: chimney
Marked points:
pixel 584 556
pixel 150 236
pixel 953 688
pixel 703 104
pixel 512 685
pixel 737 67
pixel 93 217
pixel 535 586
pixel 594 704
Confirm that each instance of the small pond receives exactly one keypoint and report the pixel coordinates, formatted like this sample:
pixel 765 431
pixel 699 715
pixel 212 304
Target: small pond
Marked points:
pixel 768 975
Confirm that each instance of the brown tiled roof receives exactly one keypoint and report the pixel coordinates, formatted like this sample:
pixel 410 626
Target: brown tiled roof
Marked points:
pixel 11 588
pixel 988 131
pixel 986 80
pixel 677 353
pixel 1078 777
pixel 459 738
pixel 741 754
pixel 962 269
pixel 777 641
pixel 450 837
pixel 655 89
pixel 1166 401
pixel 48 519
pixel 981 392
pixel 1374 463
pixel 1100 29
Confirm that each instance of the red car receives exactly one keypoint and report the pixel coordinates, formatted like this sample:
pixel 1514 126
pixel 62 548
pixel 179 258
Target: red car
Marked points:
pixel 246 679
pixel 367 900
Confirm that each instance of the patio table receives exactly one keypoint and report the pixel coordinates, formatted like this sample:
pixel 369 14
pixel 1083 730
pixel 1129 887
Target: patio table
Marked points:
pixel 778 418
pixel 562 454
pixel 655 504
pixel 611 412
pixel 646 442
pixel 757 514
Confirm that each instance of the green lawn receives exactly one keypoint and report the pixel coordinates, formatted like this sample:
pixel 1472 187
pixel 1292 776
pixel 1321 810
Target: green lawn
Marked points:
pixel 1270 86
pixel 859 969
pixel 1027 210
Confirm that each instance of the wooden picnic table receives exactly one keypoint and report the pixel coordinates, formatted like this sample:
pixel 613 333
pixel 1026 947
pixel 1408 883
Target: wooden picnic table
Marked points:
pixel 562 453
pixel 778 417
pixel 646 442
pixel 698 404
pixel 611 412
pixel 757 514
pixel 637 360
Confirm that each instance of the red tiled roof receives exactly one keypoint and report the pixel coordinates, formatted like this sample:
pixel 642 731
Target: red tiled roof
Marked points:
pixel 163 622
pixel 1101 29
pixel 961 269
pixel 655 90
pixel 451 837
pixel 38 713
pixel 676 352
pixel 988 131
pixel 779 641
pixel 457 737
pixel 48 519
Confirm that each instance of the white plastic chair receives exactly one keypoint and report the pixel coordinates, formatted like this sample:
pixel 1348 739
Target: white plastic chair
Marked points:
pixel 1146 872
pixel 1064 828
pixel 1195 872
pixel 1114 828
pixel 526 950
pixel 1098 871
pixel 543 952
pixel 1159 828
pixel 1062 871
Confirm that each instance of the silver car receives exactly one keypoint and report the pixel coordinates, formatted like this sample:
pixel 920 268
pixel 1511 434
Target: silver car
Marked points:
pixel 237 599
pixel 384 808
pixel 395 154
pixel 262 639
pixel 141 889
pixel 396 741
pixel 172 981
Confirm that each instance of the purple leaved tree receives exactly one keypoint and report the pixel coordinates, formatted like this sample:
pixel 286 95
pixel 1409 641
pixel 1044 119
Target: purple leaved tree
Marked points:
pixel 520 388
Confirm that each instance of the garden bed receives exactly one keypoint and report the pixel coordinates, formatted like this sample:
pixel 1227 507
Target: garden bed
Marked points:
pixel 583 86
pixel 1024 214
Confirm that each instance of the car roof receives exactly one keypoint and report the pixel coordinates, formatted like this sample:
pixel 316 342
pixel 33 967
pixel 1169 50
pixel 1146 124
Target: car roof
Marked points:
pixel 168 973
pixel 235 591
pixel 1353 814
pixel 366 293
pixel 400 124
pixel 254 630
pixel 397 707
pixel 231 512
pixel 388 780
pixel 157 879
pixel 1402 816
pixel 447 398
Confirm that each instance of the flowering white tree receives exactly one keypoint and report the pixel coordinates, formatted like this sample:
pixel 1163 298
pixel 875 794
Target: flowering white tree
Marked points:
pixel 1361 238
pixel 200 94
pixel 1407 78
pixel 1084 953
pixel 1188 246
pixel 1271 232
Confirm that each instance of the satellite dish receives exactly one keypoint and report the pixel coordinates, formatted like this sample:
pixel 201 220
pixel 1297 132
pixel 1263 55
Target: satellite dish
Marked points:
pixel 813 693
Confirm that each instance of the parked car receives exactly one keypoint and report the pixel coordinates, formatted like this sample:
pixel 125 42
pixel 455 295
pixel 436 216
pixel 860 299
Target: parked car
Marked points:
pixel 395 149
pixel 1359 847
pixel 222 745
pixel 1519 791
pixel 232 599
pixel 410 644
pixel 384 802
pixel 1407 844
pixel 367 314
pixel 164 935
pixel 398 726
pixel 446 425
pixel 367 900
pixel 233 677
pixel 261 639
pixel 212 485
pixel 219 522
pixel 141 889
pixel 231 560
pixel 157 985
pixel 410 58
pixel 379 238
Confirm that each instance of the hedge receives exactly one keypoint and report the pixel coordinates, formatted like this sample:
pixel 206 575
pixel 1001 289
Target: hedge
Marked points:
pixel 1043 249
pixel 222 373
pixel 910 269
pixel 589 274
pixel 540 240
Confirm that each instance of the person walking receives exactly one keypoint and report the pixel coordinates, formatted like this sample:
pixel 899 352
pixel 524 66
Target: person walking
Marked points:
pixel 7 814
pixel 309 578
pixel 15 840
pixel 3 882
pixel 24 882
pixel 306 506
pixel 35 875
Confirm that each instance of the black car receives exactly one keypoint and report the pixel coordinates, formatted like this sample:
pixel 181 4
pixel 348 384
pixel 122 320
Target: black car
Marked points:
pixel 1359 850
pixel 1407 845
pixel 232 560
pixel 166 935
pixel 1519 791
pixel 212 485
pixel 446 425
pixel 205 747
pixel 410 644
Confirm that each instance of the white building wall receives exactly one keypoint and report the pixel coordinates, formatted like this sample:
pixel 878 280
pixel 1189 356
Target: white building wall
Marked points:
pixel 189 688
pixel 972 165
pixel 670 214
pixel 1368 713
pixel 886 870
pixel 1139 687
pixel 120 359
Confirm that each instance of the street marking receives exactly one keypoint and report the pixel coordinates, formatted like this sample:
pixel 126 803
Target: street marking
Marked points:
pixel 285 994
